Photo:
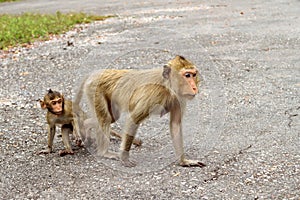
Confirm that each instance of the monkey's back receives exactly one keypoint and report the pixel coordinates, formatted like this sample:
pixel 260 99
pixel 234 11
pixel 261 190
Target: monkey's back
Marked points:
pixel 132 81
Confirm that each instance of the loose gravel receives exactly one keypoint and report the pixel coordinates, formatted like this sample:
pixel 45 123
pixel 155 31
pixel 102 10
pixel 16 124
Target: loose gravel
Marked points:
pixel 244 124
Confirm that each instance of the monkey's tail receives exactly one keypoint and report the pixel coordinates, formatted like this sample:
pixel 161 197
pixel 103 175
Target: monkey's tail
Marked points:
pixel 79 93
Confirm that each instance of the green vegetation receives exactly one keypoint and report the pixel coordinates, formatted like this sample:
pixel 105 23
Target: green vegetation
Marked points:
pixel 28 27
pixel 1 1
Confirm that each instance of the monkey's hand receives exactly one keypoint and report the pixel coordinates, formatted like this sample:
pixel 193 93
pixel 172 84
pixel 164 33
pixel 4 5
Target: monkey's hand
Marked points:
pixel 78 142
pixel 191 163
pixel 65 152
pixel 124 156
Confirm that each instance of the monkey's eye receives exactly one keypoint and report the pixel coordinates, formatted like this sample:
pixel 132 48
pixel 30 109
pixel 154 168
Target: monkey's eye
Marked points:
pixel 59 101
pixel 53 103
pixel 194 75
pixel 187 75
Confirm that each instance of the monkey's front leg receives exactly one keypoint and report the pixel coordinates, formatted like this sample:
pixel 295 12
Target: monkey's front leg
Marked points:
pixel 177 139
pixel 51 134
pixel 178 144
pixel 180 153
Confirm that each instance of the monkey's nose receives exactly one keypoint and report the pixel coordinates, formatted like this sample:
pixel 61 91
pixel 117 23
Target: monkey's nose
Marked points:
pixel 195 90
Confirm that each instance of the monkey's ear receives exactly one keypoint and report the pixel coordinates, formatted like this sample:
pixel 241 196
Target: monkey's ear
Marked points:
pixel 179 57
pixel 166 72
pixel 43 105
pixel 50 91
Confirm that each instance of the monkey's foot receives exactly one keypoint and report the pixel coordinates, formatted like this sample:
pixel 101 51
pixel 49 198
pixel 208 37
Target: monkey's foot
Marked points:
pixel 137 142
pixel 128 163
pixel 111 155
pixel 124 156
pixel 191 163
pixel 65 152
pixel 79 142
pixel 88 142
pixel 44 152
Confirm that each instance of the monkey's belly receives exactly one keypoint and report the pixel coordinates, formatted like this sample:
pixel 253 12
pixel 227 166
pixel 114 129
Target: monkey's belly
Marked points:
pixel 64 121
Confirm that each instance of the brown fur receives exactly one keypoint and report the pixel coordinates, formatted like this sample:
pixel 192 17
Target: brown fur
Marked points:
pixel 179 62
pixel 73 120
pixel 140 93
pixel 66 118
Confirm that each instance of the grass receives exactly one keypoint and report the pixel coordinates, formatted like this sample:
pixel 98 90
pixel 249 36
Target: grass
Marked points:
pixel 1 1
pixel 28 27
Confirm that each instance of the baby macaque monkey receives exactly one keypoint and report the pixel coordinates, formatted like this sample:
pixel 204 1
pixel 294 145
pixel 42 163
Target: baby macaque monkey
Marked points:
pixel 72 120
pixel 60 112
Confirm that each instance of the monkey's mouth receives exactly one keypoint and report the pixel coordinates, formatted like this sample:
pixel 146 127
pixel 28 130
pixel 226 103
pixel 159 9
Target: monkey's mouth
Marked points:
pixel 58 113
pixel 190 96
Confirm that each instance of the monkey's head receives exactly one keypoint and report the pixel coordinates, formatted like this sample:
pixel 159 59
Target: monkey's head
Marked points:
pixel 183 77
pixel 54 102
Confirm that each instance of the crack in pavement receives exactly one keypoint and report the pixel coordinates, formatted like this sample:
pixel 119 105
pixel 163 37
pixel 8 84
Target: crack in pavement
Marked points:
pixel 217 173
pixel 291 116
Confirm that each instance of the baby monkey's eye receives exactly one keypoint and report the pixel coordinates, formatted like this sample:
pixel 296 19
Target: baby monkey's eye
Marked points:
pixel 59 101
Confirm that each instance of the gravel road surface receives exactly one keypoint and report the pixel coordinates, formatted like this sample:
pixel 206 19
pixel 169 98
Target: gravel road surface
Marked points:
pixel 244 124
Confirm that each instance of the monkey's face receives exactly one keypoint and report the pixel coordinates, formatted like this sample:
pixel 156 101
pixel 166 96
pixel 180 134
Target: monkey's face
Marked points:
pixel 53 102
pixel 55 106
pixel 189 82
pixel 183 76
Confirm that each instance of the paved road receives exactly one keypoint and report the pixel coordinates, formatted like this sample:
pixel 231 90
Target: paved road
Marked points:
pixel 93 6
pixel 244 124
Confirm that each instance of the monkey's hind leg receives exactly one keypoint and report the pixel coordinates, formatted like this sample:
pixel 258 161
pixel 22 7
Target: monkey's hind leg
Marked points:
pixel 66 129
pixel 136 141
pixel 77 128
pixel 103 143
pixel 51 134
pixel 103 128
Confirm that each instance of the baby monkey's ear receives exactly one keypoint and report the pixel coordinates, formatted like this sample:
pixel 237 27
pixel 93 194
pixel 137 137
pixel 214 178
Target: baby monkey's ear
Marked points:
pixel 43 104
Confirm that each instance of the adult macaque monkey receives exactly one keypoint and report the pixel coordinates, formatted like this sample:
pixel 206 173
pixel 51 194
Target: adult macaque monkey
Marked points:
pixel 60 112
pixel 141 93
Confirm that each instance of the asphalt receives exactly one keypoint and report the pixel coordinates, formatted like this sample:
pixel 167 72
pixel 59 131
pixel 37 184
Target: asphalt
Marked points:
pixel 244 124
